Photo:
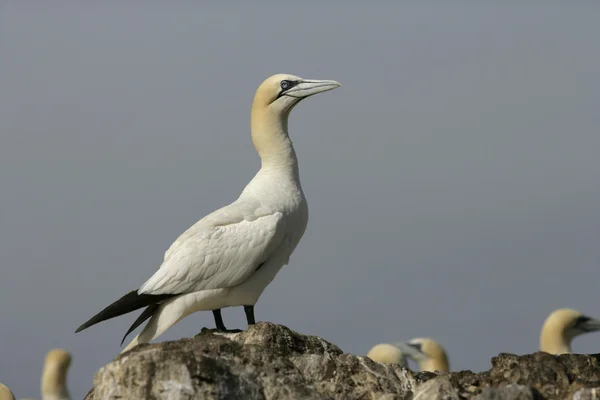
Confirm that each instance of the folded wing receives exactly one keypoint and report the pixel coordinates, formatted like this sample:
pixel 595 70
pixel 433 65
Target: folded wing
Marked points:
pixel 217 255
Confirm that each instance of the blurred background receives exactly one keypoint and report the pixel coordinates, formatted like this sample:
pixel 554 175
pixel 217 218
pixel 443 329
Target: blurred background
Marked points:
pixel 453 181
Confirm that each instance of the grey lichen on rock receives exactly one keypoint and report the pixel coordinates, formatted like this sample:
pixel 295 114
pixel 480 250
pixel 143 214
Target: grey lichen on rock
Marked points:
pixel 266 362
pixel 439 387
pixel 509 392
pixel 272 362
pixel 587 394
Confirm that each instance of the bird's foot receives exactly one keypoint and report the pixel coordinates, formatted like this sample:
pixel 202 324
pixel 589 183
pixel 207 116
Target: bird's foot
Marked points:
pixel 205 330
pixel 231 331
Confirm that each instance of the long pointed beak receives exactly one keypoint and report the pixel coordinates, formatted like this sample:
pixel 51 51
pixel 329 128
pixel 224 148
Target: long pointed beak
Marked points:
pixel 591 325
pixel 412 350
pixel 310 87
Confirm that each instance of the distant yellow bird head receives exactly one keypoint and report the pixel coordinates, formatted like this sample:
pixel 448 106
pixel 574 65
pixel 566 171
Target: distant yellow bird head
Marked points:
pixel 561 326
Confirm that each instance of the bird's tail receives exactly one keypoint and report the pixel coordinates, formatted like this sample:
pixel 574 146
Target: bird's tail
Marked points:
pixel 169 312
pixel 130 302
pixel 162 317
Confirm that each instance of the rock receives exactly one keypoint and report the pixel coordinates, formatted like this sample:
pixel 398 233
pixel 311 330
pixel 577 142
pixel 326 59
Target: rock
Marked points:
pixel 439 387
pixel 266 362
pixel 271 362
pixel 554 377
pixel 587 394
pixel 509 392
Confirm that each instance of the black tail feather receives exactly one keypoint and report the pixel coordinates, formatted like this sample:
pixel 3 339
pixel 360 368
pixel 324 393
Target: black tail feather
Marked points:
pixel 130 302
pixel 148 312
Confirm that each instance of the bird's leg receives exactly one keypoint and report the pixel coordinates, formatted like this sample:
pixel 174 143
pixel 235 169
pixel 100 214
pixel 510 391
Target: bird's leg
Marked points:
pixel 249 310
pixel 219 323
pixel 219 320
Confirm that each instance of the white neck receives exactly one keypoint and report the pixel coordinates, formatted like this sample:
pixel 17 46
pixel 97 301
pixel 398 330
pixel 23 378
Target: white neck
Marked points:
pixel 271 139
pixel 54 385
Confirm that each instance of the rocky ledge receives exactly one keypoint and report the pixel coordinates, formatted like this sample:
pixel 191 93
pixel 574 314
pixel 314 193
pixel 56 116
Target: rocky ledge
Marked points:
pixel 272 362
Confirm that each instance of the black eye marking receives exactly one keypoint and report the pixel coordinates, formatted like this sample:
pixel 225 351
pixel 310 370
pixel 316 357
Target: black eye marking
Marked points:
pixel 417 346
pixel 285 86
pixel 581 320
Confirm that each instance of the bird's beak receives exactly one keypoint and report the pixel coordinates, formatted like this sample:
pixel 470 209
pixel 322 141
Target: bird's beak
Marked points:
pixel 310 87
pixel 412 350
pixel 589 325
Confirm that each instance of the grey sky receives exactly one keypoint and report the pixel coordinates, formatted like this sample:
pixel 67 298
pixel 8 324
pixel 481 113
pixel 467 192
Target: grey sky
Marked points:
pixel 452 181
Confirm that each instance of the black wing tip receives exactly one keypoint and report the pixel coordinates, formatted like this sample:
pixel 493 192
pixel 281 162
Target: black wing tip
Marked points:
pixel 87 325
pixel 123 340
pixel 130 302
pixel 146 314
pixel 109 312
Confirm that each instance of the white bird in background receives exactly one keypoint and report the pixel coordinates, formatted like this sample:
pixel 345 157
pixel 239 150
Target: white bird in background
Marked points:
pixel 388 354
pixel 427 353
pixel 54 375
pixel 561 327
pixel 6 393
pixel 228 257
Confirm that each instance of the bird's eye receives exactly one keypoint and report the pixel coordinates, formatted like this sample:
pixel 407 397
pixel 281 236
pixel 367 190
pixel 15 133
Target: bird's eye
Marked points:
pixel 285 84
pixel 417 346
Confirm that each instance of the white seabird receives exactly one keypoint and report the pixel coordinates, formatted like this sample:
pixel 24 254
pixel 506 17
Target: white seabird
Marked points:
pixel 6 393
pixel 427 353
pixel 561 327
pixel 228 257
pixel 54 375
pixel 388 354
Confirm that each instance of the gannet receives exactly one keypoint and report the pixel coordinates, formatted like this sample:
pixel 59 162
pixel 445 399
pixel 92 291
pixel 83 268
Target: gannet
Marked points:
pixel 427 353
pixel 6 393
pixel 54 375
pixel 388 354
pixel 228 257
pixel 561 327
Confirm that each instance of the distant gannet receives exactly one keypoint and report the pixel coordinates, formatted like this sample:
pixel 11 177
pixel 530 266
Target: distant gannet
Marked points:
pixel 6 393
pixel 54 375
pixel 388 354
pixel 561 327
pixel 228 257
pixel 427 353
